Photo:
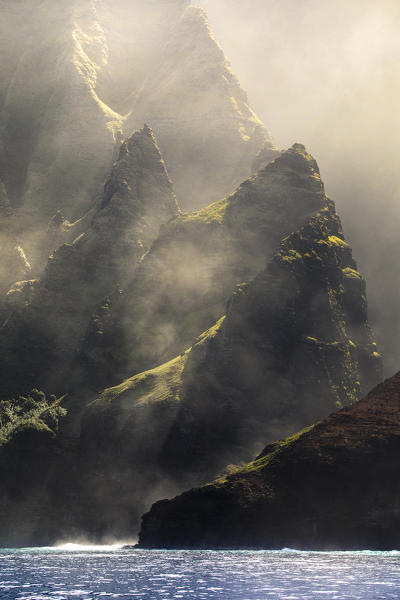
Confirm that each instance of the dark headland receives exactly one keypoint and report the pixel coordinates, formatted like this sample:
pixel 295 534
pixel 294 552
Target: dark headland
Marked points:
pixel 333 486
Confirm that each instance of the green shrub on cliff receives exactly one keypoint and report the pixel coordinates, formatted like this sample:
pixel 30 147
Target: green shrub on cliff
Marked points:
pixel 35 410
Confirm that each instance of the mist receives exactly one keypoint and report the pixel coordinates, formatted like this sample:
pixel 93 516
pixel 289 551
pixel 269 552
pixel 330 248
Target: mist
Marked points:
pixel 326 74
pixel 133 282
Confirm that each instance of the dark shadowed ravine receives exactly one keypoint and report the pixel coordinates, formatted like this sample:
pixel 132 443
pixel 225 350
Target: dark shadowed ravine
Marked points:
pixel 84 573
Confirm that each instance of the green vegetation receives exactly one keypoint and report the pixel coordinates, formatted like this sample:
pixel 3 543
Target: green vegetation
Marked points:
pixel 259 464
pixel 291 256
pixel 275 449
pixel 352 274
pixel 210 333
pixel 157 385
pixel 34 411
pixel 334 241
pixel 213 212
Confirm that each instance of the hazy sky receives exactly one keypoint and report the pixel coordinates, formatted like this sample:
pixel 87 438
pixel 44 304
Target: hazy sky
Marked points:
pixel 326 73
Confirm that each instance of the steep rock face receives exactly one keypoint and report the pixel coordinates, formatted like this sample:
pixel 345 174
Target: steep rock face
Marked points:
pixel 69 92
pixel 333 486
pixel 294 346
pixel 57 136
pixel 64 103
pixel 122 433
pixel 208 134
pixel 4 199
pixel 182 285
pixel 42 336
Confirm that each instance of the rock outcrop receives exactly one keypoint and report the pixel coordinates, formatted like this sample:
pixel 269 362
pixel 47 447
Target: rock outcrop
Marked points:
pixel 334 485
pixel 41 338
pixel 179 342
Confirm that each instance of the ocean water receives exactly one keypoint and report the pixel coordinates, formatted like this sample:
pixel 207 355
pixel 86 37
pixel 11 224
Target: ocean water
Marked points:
pixel 84 573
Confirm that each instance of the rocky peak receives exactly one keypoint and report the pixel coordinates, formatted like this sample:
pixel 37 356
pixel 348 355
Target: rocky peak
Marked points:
pixel 292 345
pixel 208 134
pixel 295 346
pixel 299 159
pixel 203 377
pixel 183 283
pixel 138 198
pixel 139 169
pixel 65 94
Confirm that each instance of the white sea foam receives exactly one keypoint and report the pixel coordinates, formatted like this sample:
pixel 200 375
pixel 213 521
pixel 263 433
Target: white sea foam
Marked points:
pixel 73 547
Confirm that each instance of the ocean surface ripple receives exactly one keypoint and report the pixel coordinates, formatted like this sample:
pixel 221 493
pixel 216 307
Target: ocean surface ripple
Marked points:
pixel 81 573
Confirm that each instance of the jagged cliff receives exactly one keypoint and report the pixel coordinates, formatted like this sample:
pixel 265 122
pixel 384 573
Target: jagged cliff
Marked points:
pixel 332 486
pixel 56 135
pixel 285 349
pixel 42 335
pixel 183 283
pixel 68 92
pixel 169 344
pixel 208 134
pixel 293 347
